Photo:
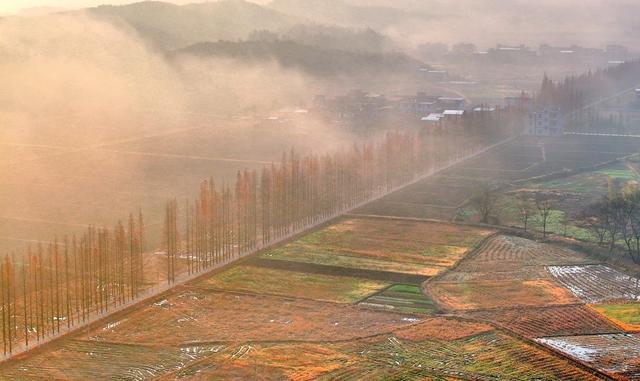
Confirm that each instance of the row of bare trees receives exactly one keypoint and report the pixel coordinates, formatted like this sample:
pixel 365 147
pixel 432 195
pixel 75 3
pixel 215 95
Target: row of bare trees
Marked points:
pixel 64 284
pixel 262 207
pixel 57 286
pixel 615 219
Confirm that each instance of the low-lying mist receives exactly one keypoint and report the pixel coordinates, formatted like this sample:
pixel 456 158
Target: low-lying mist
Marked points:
pixel 95 123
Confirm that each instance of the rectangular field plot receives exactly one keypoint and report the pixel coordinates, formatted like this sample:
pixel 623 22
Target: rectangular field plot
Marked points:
pixel 499 294
pixel 597 283
pixel 91 360
pixel 491 355
pixel 432 194
pixel 512 258
pixel 262 280
pixel 548 321
pixel 196 316
pixel 437 349
pixel 625 315
pixel 409 247
pixel 407 210
pixel 400 298
pixel 615 353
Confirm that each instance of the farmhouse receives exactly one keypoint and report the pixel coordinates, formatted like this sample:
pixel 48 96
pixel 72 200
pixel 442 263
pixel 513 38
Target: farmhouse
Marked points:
pixel 450 103
pixel 547 122
pixel 432 118
pixel 453 114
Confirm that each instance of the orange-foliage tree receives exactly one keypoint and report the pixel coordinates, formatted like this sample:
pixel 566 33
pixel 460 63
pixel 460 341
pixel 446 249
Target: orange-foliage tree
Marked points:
pixel 64 284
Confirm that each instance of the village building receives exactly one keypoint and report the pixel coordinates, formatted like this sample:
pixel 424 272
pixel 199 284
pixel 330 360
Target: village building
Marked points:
pixel 546 122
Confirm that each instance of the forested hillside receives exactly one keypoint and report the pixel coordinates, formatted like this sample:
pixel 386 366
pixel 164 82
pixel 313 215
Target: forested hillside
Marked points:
pixel 311 60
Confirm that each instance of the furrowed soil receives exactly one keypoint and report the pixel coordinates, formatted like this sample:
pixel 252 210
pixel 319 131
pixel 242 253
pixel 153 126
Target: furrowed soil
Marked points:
pixel 202 316
pixel 411 247
pixel 262 280
pixel 625 315
pixel 548 321
pixel 614 353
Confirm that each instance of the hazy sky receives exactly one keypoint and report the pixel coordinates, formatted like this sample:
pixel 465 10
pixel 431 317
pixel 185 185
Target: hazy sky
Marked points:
pixel 14 6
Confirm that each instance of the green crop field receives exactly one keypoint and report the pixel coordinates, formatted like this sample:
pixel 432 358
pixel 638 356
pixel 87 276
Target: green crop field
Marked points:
pixel 322 287
pixel 626 314
pixel 401 298
pixel 419 248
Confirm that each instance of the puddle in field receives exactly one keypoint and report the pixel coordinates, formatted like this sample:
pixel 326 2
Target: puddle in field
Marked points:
pixel 597 283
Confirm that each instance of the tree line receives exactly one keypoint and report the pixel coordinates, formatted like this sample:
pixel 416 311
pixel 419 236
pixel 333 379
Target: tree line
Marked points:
pixel 263 206
pixel 64 284
pixel 573 93
pixel 615 220
pixel 60 285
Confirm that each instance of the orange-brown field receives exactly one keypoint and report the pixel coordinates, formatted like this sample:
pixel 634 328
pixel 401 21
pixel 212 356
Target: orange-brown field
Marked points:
pixel 253 321
pixel 421 248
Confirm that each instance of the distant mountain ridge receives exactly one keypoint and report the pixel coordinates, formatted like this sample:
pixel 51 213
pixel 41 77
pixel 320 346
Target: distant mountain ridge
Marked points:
pixel 173 26
pixel 311 60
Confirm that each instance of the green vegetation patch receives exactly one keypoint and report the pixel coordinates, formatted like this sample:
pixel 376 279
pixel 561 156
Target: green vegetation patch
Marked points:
pixel 401 298
pixel 383 245
pixel 628 314
pixel 261 280
pixel 492 355
pixel 93 360
pixel 431 260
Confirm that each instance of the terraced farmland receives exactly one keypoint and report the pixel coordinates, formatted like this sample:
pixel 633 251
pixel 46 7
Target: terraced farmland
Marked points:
pixel 440 197
pixel 400 298
pixel 548 321
pixel 203 316
pixel 614 353
pixel 346 302
pixel 93 360
pixel 625 315
pixel 488 355
pixel 401 246
pixel 262 280
pixel 505 272
pixel 597 283
pixel 499 294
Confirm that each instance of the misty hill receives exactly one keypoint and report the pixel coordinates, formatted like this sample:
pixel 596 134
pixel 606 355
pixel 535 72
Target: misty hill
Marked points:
pixel 342 12
pixel 172 26
pixel 312 60
pixel 330 37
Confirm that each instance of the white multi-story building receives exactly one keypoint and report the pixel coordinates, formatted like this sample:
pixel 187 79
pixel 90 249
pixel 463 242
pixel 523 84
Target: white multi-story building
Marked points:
pixel 546 122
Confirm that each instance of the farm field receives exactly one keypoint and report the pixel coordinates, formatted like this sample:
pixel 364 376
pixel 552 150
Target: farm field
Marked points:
pixel 347 302
pixel 263 280
pixel 625 315
pixel 200 316
pixel 401 246
pixel 499 294
pixel 569 196
pixel 509 258
pixel 253 319
pixel 597 283
pixel 615 353
pixel 548 321
pixel 400 298
pixel 442 196
pixel 144 170
pixel 414 353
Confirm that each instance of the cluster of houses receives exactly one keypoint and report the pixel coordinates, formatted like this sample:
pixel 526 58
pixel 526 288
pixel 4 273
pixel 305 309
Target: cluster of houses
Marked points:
pixel 359 109
pixel 612 53
pixel 359 106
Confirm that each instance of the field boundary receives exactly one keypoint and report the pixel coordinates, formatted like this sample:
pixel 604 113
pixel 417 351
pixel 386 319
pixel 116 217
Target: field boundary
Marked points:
pixel 315 268
pixel 159 289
